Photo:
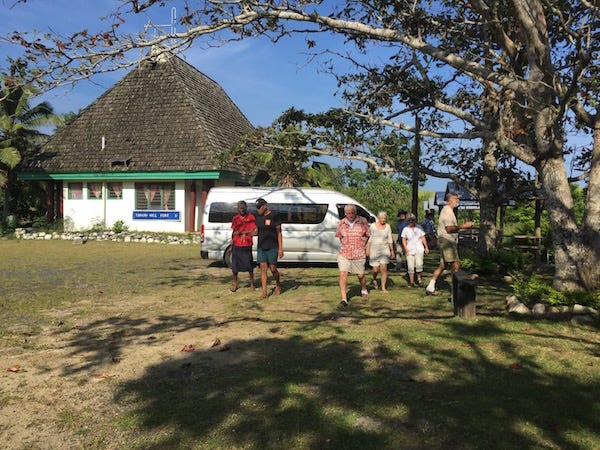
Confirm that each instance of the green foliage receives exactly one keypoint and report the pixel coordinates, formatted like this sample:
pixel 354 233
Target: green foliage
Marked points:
pixel 119 226
pixel 536 288
pixel 499 261
pixel 532 289
pixel 379 193
pixel 520 218
pixel 98 227
pixel 284 152
pixel 20 124
pixel 40 222
pixel 5 226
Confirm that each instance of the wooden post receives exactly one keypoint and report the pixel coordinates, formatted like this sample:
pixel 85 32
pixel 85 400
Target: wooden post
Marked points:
pixel 537 219
pixel 59 200
pixel 502 221
pixel 416 160
pixel 463 295
pixel 50 196
pixel 206 185
pixel 192 222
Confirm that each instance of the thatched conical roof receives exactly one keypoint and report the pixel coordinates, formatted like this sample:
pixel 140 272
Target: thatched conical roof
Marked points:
pixel 162 116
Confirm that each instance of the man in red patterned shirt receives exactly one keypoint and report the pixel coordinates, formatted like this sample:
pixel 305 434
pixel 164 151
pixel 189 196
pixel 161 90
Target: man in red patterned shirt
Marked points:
pixel 353 232
pixel 243 225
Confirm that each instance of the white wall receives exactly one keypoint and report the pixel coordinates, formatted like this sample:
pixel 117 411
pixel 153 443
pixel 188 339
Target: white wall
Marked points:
pixel 85 213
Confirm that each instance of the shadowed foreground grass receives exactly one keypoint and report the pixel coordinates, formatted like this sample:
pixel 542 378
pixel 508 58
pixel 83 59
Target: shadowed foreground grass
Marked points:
pixel 293 371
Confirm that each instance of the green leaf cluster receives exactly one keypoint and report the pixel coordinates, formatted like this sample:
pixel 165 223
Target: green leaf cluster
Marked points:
pixel 536 288
pixel 498 261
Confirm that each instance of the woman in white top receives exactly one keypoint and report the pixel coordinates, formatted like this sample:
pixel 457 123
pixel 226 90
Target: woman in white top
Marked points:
pixel 380 248
pixel 415 245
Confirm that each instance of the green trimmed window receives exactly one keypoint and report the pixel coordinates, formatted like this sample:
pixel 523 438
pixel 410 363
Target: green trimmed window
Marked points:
pixel 155 196
pixel 115 191
pixel 75 191
pixel 94 191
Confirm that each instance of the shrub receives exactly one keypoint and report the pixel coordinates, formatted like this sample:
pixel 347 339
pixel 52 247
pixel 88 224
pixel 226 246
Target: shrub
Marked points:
pixel 40 223
pixel 532 289
pixel 499 261
pixel 536 289
pixel 98 227
pixel 119 226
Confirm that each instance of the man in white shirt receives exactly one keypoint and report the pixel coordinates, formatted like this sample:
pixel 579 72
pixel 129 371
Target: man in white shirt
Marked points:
pixel 448 229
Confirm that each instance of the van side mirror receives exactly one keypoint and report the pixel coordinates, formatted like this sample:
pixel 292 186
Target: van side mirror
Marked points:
pixel 372 219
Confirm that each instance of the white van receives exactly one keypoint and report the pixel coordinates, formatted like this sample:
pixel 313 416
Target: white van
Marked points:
pixel 309 219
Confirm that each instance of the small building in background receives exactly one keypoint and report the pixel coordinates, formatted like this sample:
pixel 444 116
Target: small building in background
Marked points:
pixel 146 152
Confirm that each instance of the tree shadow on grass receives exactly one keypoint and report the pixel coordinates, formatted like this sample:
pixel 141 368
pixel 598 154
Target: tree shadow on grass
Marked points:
pixel 102 341
pixel 333 393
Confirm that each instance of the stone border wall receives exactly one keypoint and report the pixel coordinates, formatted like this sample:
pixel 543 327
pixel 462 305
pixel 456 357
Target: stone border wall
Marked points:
pixel 81 237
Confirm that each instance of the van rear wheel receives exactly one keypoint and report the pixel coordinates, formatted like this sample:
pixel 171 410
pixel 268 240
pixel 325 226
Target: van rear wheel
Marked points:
pixel 227 257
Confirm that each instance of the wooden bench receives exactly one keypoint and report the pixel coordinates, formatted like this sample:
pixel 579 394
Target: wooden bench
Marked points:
pixel 532 245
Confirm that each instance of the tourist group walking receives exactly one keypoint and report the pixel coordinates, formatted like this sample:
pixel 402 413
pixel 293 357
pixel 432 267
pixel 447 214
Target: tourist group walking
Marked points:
pixel 360 242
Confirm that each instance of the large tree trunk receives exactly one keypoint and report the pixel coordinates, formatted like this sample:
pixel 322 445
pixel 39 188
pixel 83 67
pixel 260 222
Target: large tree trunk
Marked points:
pixel 567 242
pixel 591 217
pixel 488 188
pixel 488 194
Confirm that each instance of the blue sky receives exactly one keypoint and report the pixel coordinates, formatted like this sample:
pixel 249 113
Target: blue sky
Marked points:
pixel 261 77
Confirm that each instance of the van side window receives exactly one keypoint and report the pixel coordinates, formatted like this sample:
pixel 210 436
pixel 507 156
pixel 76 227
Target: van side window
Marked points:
pixel 360 211
pixel 221 212
pixel 308 213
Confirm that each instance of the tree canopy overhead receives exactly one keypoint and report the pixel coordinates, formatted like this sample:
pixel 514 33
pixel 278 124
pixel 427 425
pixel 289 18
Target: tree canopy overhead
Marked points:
pixel 517 74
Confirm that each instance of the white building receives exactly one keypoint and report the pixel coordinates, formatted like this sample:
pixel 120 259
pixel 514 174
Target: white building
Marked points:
pixel 144 153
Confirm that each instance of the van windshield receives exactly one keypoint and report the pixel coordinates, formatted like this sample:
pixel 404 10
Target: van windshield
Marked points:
pixel 308 213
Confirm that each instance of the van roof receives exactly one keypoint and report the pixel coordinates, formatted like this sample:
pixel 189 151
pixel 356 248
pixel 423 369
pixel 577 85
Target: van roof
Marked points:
pixel 272 190
pixel 278 194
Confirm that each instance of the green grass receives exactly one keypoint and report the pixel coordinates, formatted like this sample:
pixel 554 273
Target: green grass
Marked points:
pixel 398 371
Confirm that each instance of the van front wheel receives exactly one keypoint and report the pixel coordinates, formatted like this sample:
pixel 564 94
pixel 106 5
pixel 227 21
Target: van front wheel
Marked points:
pixel 227 257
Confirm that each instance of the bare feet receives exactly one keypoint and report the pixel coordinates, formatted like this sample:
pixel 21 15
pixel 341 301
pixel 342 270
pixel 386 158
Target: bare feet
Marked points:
pixel 375 285
pixel 233 288
pixel 384 290
pixel 277 290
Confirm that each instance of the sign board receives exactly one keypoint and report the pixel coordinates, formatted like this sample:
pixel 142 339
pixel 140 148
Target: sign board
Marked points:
pixel 156 215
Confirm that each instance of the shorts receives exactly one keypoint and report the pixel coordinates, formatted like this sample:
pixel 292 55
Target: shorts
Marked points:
pixel 241 259
pixel 356 266
pixel 448 250
pixel 267 256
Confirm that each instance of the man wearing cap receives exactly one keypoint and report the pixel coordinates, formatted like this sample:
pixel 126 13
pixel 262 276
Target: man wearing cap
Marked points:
pixel 448 229
pixel 270 246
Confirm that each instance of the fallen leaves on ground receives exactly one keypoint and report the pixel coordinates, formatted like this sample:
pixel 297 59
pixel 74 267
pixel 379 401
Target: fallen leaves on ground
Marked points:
pixel 103 376
pixel 15 368
pixel 515 366
pixel 216 342
pixel 188 348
